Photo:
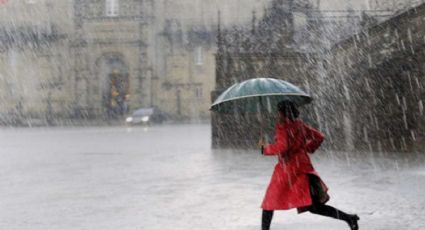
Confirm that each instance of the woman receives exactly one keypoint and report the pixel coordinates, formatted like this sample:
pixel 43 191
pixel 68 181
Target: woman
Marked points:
pixel 295 183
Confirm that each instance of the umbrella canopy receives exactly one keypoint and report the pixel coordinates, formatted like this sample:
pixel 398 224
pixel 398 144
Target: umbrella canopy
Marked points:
pixel 256 95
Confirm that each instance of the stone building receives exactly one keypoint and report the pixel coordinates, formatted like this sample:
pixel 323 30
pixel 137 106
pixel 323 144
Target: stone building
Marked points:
pixel 368 87
pixel 100 59
pixel 112 54
pixel 33 50
pixel 185 48
pixel 270 47
pixel 188 70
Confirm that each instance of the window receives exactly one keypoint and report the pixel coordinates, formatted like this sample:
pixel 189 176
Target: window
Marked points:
pixel 112 7
pixel 198 92
pixel 199 56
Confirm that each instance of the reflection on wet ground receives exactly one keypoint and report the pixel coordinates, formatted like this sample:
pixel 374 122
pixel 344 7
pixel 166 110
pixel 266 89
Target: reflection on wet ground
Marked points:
pixel 167 177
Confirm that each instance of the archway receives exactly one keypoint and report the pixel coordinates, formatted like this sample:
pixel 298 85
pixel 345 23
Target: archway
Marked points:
pixel 115 84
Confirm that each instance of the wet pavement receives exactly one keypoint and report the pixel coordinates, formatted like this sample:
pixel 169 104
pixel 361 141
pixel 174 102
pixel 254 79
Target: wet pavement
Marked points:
pixel 167 177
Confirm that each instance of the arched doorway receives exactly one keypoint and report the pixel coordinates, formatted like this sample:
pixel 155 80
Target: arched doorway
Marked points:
pixel 115 84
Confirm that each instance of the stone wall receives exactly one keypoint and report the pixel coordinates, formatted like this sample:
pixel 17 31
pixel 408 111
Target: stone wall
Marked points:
pixel 380 77
pixel 34 61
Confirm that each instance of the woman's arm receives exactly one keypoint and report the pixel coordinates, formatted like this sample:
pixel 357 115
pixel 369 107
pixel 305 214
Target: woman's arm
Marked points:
pixel 314 139
pixel 280 145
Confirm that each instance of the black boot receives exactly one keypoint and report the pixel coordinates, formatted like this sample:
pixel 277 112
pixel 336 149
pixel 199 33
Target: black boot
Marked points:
pixel 330 211
pixel 352 222
pixel 266 219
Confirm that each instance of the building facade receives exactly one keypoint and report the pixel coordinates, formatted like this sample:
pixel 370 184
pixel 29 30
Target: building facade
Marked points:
pixel 277 46
pixel 367 83
pixel 112 65
pixel 102 59
pixel 33 59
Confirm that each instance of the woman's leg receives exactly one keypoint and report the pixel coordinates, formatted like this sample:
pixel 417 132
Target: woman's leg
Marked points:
pixel 266 219
pixel 330 211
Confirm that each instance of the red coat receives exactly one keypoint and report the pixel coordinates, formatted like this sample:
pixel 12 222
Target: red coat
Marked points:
pixel 289 186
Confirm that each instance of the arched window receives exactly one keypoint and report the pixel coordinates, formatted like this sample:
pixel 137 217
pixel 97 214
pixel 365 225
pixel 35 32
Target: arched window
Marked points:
pixel 112 8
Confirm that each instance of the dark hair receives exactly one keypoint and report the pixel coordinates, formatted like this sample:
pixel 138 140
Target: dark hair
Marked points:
pixel 288 109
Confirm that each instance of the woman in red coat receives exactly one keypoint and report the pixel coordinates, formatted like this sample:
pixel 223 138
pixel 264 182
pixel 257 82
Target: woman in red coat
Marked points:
pixel 295 183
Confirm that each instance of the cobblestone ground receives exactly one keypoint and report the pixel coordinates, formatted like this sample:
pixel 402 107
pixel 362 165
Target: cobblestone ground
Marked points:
pixel 167 177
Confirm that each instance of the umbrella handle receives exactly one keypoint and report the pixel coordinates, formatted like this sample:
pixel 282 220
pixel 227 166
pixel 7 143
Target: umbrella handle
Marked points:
pixel 261 119
pixel 261 129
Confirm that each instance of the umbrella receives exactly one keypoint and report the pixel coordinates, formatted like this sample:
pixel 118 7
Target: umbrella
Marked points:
pixel 258 94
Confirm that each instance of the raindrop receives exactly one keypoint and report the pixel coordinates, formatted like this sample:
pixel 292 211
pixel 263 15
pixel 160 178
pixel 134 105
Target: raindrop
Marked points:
pixel 397 99
pixel 392 143
pixel 347 93
pixel 307 86
pixel 367 85
pixel 365 134
pixel 409 35
pixel 269 105
pixel 369 58
pixel 409 76
pixel 421 107
pixel 376 123
pixel 369 42
pixel 371 150
pixel 382 93
pixel 406 125
pixel 417 82
pixel 404 104
pixel 402 45
pixel 319 120
pixel 404 144
pixel 348 131
pixel 258 111
pixel 347 158
pixel 380 147
pixel 412 133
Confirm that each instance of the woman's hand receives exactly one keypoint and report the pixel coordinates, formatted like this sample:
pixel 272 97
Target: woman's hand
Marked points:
pixel 262 143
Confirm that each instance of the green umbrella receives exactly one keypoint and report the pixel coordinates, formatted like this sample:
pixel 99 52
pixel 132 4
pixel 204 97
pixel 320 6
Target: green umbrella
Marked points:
pixel 258 95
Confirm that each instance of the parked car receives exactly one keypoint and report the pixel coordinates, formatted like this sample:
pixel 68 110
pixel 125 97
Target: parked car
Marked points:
pixel 145 116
